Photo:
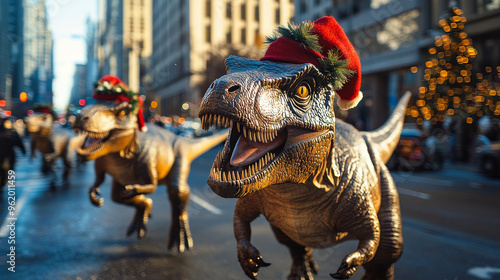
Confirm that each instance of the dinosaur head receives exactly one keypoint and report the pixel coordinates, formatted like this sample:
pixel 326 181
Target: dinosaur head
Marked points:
pixel 41 121
pixel 280 109
pixel 106 129
pixel 281 124
pixel 110 128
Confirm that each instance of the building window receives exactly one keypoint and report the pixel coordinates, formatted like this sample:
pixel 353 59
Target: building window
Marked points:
pixel 277 16
pixel 228 10
pixel 208 8
pixel 303 6
pixel 208 34
pixel 256 16
pixel 244 36
pixel 243 11
pixel 229 37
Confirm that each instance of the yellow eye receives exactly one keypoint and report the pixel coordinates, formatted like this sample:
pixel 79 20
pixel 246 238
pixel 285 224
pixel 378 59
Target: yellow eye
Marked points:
pixel 121 114
pixel 302 92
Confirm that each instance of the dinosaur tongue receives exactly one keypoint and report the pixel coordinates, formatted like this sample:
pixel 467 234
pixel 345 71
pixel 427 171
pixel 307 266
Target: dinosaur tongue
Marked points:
pixel 247 152
pixel 89 142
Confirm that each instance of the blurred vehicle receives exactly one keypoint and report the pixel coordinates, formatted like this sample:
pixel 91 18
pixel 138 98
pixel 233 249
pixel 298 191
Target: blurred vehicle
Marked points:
pixel 489 159
pixel 416 152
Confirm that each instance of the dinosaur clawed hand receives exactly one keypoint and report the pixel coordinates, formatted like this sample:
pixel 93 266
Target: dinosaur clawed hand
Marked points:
pixel 129 192
pixel 94 194
pixel 250 259
pixel 141 220
pixel 180 236
pixel 349 266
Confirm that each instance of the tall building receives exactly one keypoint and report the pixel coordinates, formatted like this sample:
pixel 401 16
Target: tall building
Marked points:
pixel 78 91
pixel 31 57
pixel 392 38
pixel 185 31
pixel 125 39
pixel 91 67
pixel 5 60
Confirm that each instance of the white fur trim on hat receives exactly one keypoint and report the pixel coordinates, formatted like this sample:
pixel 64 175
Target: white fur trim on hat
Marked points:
pixel 348 104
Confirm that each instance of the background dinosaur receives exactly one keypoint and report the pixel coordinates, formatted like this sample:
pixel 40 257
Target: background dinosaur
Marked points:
pixel 316 180
pixel 51 140
pixel 139 161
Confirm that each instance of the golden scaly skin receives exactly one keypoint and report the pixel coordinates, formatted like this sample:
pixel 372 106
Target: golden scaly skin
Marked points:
pixel 138 163
pixel 316 180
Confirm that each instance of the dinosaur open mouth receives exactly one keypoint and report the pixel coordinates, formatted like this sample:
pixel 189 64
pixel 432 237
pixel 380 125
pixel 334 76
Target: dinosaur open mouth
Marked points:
pixel 249 152
pixel 94 141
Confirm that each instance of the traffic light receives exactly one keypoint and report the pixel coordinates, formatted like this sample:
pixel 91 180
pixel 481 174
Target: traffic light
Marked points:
pixel 23 97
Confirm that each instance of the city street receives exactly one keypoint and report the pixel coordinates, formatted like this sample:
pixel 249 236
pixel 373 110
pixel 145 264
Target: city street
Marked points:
pixel 451 230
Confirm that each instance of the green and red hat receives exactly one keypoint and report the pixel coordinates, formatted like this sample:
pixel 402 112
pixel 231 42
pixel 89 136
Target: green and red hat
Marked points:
pixel 111 88
pixel 45 109
pixel 324 44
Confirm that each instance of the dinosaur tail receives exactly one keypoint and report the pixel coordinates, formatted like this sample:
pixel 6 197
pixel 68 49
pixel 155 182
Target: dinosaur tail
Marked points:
pixel 199 146
pixel 385 138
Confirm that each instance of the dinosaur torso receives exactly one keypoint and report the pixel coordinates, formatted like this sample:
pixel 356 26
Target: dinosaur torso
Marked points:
pixel 155 155
pixel 312 216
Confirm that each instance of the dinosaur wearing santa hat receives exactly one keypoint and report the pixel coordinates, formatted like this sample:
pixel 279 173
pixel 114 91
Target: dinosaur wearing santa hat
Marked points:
pixel 317 180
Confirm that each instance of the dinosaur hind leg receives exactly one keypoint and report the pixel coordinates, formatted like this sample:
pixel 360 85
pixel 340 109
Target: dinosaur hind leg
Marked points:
pixel 180 235
pixel 303 265
pixel 391 236
pixel 142 204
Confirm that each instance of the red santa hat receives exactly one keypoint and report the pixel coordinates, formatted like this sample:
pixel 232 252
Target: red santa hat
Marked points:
pixel 45 109
pixel 324 44
pixel 111 88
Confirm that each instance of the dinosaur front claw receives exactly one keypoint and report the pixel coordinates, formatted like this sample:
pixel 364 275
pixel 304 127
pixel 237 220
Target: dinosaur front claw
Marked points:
pixel 94 194
pixel 250 259
pixel 348 267
pixel 129 192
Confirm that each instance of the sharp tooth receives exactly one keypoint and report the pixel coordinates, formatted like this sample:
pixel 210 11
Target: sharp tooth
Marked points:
pixel 224 176
pixel 238 127
pixel 238 175
pixel 231 124
pixel 229 176
pixel 260 164
pixel 245 173
pixel 233 175
pixel 250 135
pixel 259 136
pixel 245 132
pixel 210 119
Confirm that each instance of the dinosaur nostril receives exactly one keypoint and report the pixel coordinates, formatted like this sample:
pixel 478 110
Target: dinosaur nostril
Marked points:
pixel 233 88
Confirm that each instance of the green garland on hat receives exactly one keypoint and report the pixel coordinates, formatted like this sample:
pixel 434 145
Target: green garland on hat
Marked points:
pixel 334 68
pixel 38 107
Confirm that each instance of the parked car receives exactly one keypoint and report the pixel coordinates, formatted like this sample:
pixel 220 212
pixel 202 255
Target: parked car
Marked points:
pixel 416 152
pixel 489 160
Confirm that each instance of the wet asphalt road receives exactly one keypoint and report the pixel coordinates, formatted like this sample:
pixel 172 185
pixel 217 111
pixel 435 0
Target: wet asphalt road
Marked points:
pixel 451 225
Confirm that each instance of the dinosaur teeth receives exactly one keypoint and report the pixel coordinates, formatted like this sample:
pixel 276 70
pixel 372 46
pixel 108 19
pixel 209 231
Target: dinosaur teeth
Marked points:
pixel 230 176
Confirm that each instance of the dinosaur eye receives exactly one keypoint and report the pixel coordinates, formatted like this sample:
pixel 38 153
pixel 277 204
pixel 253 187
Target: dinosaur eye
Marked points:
pixel 121 114
pixel 302 91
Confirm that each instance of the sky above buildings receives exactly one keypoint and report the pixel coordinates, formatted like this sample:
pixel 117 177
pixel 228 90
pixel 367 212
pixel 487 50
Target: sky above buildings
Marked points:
pixel 67 20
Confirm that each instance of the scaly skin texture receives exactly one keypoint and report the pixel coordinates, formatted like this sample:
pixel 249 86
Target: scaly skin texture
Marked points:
pixel 138 163
pixel 316 180
pixel 51 140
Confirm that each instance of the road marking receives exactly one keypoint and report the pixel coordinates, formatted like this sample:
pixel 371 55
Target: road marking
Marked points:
pixel 414 193
pixel 205 204
pixel 483 272
pixel 4 230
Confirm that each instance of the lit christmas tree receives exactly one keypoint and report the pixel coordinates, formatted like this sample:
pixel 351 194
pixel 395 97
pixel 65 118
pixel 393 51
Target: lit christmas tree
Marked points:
pixel 451 86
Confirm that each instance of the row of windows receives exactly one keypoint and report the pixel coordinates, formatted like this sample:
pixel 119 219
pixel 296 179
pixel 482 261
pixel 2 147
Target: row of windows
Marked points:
pixel 243 11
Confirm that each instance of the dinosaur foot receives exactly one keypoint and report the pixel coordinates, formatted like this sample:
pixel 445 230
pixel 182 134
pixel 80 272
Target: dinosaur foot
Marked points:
pixel 141 220
pixel 180 237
